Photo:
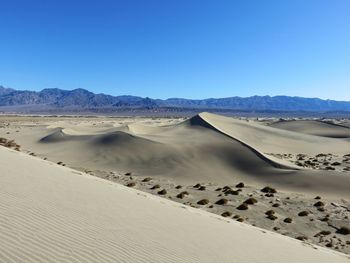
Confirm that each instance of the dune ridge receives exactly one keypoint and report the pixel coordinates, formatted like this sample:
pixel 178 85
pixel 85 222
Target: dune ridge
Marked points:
pixel 314 127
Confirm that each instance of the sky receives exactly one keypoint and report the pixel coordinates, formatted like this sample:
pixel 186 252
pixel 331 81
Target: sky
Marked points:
pixel 178 48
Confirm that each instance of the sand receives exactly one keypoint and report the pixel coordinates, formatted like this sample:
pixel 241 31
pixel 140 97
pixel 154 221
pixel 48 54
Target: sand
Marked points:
pixel 214 151
pixel 51 213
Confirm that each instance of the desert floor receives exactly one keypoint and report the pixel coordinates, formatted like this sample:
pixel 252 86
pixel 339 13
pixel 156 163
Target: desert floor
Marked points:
pixel 288 176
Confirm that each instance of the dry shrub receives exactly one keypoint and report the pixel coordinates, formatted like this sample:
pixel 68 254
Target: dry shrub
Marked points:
pixel 287 220
pixel 131 184
pixel 251 201
pixel 226 214
pixel 268 189
pixel 240 185
pixel 303 213
pixel 162 192
pixel 243 206
pixel 203 202
pixel 221 201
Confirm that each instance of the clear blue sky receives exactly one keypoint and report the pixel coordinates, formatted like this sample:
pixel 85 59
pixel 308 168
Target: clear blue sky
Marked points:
pixel 178 48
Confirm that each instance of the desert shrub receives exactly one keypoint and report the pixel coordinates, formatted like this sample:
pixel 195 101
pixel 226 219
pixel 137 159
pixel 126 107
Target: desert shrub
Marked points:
pixel 303 213
pixel 221 201
pixel 226 214
pixel 268 189
pixel 162 192
pixel 269 212
pixel 302 238
pixel 243 206
pixel 272 217
pixel 131 184
pixel 319 204
pixel 240 185
pixel 287 220
pixel 251 201
pixel 203 202
pixel 156 186
pixel 147 179
pixel 344 230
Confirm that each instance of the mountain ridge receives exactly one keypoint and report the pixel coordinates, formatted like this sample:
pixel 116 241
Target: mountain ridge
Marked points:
pixel 82 98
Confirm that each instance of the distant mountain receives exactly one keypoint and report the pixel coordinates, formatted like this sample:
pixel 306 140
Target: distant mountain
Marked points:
pixel 83 99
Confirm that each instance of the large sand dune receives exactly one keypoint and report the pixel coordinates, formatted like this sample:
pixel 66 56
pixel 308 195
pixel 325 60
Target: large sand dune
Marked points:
pixel 318 128
pixel 206 147
pixel 50 213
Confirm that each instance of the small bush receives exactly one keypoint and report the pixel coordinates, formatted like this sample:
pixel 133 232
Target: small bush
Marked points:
pixel 240 185
pixel 203 202
pixel 226 214
pixel 319 204
pixel 268 189
pixel 243 206
pixel 221 201
pixel 287 220
pixel 162 192
pixel 131 184
pixel 251 201
pixel 269 212
pixel 303 213
pixel 343 230
pixel 302 238
pixel 182 195
pixel 147 179
pixel 272 217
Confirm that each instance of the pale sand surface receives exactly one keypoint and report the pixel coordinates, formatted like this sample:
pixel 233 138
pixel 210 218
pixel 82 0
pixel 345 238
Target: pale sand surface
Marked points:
pixel 50 213
pixel 214 151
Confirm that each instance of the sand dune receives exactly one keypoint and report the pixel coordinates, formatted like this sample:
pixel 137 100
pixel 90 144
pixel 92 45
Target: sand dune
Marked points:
pixel 54 214
pixel 270 139
pixel 205 148
pixel 318 128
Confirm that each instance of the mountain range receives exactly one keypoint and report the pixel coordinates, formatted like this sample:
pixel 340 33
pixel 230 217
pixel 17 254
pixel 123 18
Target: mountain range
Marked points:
pixel 84 99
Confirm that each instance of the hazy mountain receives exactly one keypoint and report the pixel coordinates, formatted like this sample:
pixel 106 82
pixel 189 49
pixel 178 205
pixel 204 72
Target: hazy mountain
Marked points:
pixel 81 98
